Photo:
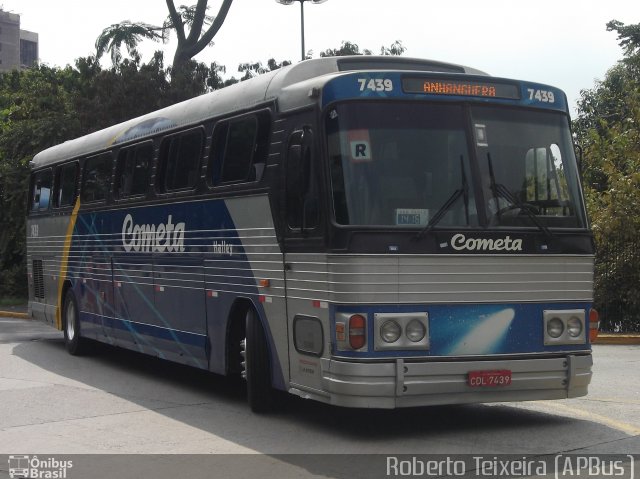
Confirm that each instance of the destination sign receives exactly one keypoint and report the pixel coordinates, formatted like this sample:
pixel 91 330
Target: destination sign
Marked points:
pixel 445 86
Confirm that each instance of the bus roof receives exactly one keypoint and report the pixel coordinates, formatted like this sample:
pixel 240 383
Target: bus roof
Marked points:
pixel 239 97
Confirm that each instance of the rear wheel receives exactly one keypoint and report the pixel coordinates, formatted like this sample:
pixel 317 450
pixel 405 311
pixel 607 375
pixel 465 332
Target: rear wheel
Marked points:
pixel 257 365
pixel 74 342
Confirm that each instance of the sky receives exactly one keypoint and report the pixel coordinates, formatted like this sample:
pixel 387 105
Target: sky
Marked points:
pixel 562 43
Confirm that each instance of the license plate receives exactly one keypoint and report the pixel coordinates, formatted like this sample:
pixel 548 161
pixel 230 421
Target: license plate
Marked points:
pixel 483 379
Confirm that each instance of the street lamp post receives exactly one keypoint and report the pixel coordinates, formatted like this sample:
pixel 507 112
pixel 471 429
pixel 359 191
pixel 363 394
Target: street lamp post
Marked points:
pixel 290 2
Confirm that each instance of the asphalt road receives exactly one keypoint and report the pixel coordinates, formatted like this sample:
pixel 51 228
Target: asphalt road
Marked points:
pixel 117 402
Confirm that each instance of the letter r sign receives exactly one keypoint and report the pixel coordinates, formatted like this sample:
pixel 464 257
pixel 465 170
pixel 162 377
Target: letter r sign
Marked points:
pixel 360 146
pixel 360 151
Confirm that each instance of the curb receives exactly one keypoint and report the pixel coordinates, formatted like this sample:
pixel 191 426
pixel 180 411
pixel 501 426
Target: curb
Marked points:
pixel 622 339
pixel 14 314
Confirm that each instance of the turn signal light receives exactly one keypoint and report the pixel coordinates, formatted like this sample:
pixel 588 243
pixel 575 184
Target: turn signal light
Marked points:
pixel 357 331
pixel 594 324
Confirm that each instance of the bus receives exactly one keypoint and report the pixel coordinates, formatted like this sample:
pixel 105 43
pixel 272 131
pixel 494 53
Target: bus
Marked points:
pixel 364 231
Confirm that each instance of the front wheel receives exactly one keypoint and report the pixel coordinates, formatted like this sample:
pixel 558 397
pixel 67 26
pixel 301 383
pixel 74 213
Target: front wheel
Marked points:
pixel 74 342
pixel 257 366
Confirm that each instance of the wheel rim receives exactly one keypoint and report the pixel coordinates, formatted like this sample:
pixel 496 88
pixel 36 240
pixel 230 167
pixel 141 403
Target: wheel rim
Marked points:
pixel 70 320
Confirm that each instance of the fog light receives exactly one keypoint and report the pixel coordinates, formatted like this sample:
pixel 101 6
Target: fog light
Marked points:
pixel 555 327
pixel 390 331
pixel 574 327
pixel 415 331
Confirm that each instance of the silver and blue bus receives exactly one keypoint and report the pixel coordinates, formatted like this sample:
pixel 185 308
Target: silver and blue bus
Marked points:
pixel 363 231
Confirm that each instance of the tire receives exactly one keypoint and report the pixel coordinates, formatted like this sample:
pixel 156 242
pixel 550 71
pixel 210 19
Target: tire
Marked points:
pixel 260 394
pixel 73 341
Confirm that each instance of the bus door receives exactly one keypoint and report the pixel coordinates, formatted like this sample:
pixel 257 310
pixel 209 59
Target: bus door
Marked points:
pixel 101 282
pixel 180 320
pixel 133 301
pixel 305 262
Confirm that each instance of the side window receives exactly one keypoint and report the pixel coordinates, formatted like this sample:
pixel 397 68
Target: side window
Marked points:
pixel 180 160
pixel 240 149
pixel 238 152
pixel 132 171
pixel 66 181
pixel 97 177
pixel 301 182
pixel 545 175
pixel 41 190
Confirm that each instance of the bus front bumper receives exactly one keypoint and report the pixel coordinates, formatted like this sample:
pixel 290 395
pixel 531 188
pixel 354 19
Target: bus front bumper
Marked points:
pixel 407 383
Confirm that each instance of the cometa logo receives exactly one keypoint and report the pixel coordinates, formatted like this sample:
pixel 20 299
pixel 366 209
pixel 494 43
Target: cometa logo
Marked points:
pixel 460 242
pixel 167 236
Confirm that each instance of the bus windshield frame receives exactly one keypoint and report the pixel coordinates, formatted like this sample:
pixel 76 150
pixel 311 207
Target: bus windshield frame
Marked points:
pixel 461 165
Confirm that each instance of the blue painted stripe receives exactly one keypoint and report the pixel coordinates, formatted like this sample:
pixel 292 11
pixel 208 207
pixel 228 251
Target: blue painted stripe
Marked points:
pixel 183 337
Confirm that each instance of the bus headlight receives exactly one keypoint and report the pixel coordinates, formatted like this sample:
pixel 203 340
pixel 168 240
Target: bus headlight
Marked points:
pixel 415 331
pixel 574 327
pixel 564 327
pixel 401 331
pixel 390 331
pixel 555 328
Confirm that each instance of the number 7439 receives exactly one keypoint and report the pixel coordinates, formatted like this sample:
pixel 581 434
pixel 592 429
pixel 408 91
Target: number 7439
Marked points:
pixel 375 84
pixel 544 96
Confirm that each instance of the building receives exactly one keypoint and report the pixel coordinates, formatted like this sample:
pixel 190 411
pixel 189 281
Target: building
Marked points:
pixel 18 48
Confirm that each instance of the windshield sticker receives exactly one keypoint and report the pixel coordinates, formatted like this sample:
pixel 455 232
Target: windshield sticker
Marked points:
pixel 481 135
pixel 360 146
pixel 411 216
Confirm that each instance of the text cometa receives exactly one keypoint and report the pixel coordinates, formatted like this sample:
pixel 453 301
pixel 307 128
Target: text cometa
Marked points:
pixel 159 238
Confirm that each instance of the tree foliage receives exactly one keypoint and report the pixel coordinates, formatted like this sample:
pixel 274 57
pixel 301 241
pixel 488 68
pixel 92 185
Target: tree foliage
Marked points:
pixel 608 129
pixel 46 106
pixel 349 48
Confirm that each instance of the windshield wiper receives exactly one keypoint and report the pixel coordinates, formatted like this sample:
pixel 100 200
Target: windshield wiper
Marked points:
pixel 500 190
pixel 444 209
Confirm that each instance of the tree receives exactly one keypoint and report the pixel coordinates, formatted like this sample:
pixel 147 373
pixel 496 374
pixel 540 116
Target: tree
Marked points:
pixel 128 34
pixel 251 70
pixel 349 48
pixel 346 48
pixel 36 111
pixel 396 49
pixel 198 38
pixel 202 29
pixel 608 129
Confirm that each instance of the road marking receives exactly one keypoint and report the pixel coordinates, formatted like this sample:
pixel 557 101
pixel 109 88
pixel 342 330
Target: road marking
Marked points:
pixel 627 428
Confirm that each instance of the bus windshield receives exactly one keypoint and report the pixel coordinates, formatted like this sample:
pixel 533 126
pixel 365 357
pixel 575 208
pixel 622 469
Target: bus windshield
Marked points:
pixel 527 167
pixel 407 164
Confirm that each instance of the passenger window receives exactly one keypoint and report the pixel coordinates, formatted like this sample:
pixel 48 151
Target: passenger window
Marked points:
pixel 132 174
pixel 180 158
pixel 241 139
pixel 41 193
pixel 66 181
pixel 97 178
pixel 240 149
